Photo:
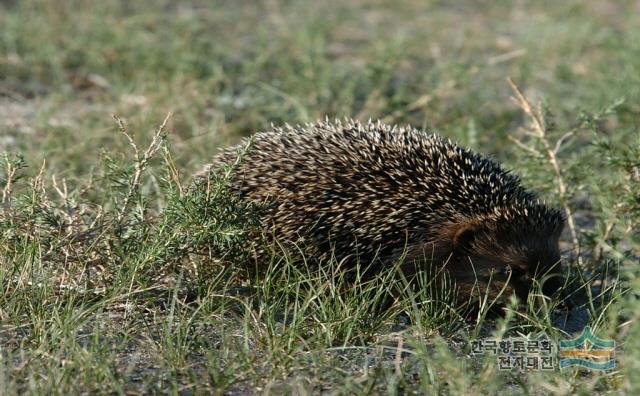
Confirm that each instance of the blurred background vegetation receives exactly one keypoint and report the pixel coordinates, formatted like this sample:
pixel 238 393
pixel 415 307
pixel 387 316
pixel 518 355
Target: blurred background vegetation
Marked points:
pixel 229 68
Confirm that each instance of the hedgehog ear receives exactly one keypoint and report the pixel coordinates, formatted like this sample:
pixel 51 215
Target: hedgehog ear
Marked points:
pixel 464 237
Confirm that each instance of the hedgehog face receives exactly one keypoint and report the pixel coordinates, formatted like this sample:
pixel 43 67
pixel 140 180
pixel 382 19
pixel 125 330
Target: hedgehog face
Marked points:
pixel 501 260
pixel 492 258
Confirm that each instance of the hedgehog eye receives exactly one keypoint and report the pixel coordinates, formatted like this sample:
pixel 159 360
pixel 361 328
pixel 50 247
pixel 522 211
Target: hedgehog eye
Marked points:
pixel 506 271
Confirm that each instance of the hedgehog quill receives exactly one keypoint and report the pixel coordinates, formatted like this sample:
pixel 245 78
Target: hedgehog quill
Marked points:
pixel 373 193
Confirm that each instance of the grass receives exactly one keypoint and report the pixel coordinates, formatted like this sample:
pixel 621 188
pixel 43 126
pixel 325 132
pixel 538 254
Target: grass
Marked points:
pixel 115 279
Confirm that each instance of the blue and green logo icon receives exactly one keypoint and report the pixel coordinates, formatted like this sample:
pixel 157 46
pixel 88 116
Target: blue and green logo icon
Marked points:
pixel 588 351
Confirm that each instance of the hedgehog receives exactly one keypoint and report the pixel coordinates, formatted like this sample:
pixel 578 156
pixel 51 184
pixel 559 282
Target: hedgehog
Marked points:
pixel 378 194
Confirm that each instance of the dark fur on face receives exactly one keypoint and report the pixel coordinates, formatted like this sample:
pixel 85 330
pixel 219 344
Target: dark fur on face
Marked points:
pixel 496 258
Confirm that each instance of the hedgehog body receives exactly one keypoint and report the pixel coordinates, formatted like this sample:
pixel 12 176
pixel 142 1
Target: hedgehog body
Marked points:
pixel 374 193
